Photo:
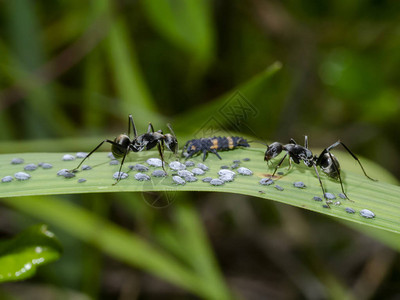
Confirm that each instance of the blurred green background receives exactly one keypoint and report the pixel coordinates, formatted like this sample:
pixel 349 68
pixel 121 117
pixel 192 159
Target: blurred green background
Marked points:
pixel 72 71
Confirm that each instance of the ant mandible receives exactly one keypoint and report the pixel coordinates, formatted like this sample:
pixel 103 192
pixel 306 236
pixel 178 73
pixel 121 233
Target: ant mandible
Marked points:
pixel 123 144
pixel 327 162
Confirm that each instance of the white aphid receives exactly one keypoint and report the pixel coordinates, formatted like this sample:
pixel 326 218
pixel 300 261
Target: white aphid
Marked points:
pixel 154 162
pixel 244 171
pixel 316 198
pixel 176 166
pixel 30 167
pixel 207 179
pixel 46 166
pixel 68 157
pixel 158 173
pixel 81 154
pixel 142 177
pixel 69 175
pixel 330 196
pixel 62 172
pixel 216 181
pixel 190 179
pixel 366 213
pixel 120 175
pixel 226 172
pixel 350 210
pixel 22 176
pixel 227 177
pixel 189 163
pixel 266 181
pixel 197 171
pixel 178 180
pixel 203 167
pixel 7 179
pixel 299 184
pixel 139 167
pixel 17 161
pixel 184 173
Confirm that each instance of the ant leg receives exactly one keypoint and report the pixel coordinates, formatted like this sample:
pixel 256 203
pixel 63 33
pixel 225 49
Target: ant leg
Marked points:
pixel 292 141
pixel 94 150
pixel 278 165
pixel 352 154
pixel 338 172
pixel 131 123
pixel 160 148
pixel 120 167
pixel 320 183
pixel 171 130
pixel 306 142
pixel 216 153
pixel 150 128
pixel 290 164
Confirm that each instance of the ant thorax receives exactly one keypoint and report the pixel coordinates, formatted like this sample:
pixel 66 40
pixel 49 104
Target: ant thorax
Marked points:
pixel 145 141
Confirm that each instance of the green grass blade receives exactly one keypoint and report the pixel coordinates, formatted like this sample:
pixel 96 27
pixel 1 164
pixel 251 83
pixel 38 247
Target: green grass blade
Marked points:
pixel 185 23
pixel 126 73
pixel 111 239
pixel 381 197
pixel 94 82
pixel 20 256
pixel 198 117
pixel 196 247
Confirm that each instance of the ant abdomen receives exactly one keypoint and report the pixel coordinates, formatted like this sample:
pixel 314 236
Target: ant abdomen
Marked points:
pixel 328 167
pixel 122 140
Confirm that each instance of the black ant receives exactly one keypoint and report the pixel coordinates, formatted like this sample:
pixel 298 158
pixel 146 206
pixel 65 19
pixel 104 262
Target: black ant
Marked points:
pixel 122 144
pixel 328 163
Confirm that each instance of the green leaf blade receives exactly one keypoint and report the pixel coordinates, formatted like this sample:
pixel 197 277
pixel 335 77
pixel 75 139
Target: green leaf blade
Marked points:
pixel 20 257
pixel 380 197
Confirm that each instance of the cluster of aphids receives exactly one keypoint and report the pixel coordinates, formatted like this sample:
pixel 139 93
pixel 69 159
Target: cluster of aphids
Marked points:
pixel 296 153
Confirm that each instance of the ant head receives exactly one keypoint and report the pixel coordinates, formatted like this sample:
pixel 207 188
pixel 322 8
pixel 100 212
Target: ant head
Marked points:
pixel 273 150
pixel 171 142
